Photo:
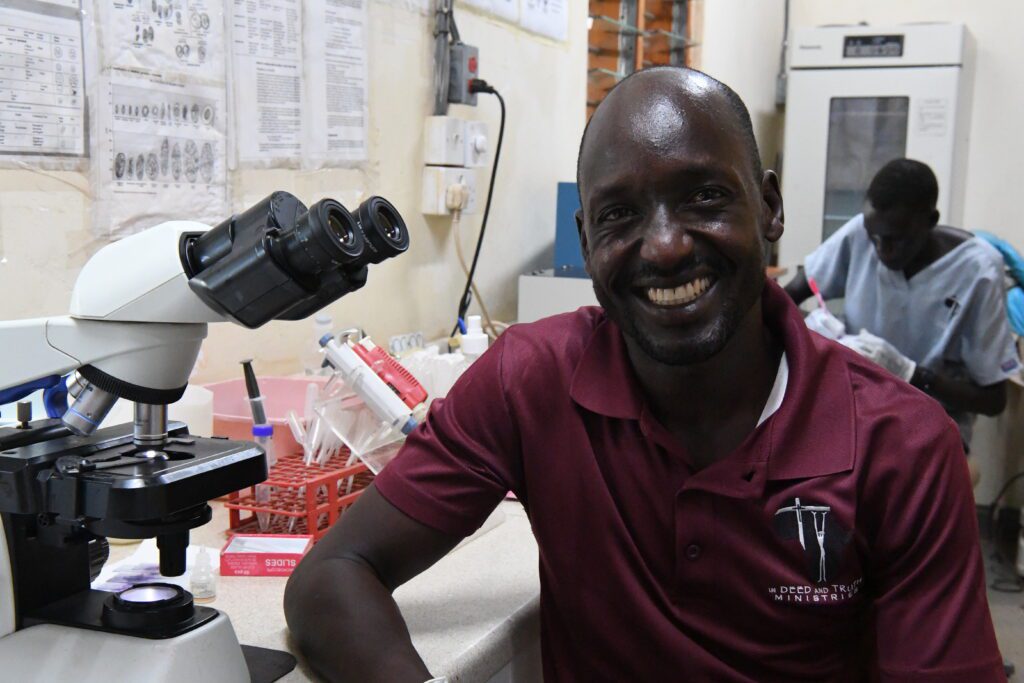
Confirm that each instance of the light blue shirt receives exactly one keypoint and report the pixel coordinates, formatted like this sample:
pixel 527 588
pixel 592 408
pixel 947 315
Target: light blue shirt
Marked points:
pixel 950 317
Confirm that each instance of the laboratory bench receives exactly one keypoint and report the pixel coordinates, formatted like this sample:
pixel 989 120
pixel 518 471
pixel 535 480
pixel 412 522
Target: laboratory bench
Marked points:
pixel 473 616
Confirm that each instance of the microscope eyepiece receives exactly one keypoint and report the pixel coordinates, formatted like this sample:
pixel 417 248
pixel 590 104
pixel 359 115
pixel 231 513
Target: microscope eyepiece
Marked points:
pixel 324 237
pixel 383 228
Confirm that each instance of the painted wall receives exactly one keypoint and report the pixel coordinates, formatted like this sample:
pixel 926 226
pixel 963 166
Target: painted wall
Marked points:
pixel 44 217
pixel 741 47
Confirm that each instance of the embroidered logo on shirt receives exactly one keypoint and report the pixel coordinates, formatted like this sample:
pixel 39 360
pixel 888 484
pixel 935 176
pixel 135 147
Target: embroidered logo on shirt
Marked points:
pixel 820 535
pixel 1009 365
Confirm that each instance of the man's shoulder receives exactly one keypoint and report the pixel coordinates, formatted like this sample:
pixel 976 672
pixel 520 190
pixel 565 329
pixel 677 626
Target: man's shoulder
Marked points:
pixel 558 340
pixel 890 417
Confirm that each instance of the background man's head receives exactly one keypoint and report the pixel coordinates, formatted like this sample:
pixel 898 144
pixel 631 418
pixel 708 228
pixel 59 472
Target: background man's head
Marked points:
pixel 676 212
pixel 899 211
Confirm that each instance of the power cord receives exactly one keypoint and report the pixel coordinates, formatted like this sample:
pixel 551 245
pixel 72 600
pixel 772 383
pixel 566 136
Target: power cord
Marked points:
pixel 478 85
pixel 455 199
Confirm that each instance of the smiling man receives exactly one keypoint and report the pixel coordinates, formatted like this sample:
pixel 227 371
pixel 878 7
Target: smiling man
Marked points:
pixel 717 493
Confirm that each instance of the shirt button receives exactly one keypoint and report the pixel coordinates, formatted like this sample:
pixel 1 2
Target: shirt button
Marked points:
pixel 692 551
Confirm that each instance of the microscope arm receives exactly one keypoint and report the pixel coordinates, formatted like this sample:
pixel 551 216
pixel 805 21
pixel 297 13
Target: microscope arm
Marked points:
pixel 157 356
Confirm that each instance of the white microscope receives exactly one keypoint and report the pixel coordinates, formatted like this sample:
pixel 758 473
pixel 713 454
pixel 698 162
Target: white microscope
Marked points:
pixel 139 312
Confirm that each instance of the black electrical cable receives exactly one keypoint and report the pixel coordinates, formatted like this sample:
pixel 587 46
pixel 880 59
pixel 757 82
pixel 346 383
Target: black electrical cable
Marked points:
pixel 478 85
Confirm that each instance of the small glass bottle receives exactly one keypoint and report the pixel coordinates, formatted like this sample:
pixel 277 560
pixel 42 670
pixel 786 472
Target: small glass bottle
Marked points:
pixel 203 578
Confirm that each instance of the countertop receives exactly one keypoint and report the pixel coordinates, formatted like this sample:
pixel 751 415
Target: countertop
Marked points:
pixel 469 615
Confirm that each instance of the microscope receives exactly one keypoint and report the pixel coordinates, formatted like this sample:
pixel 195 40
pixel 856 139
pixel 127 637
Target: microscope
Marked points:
pixel 139 312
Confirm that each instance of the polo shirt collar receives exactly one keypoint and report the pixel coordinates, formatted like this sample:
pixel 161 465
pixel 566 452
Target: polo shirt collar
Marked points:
pixel 811 435
pixel 604 381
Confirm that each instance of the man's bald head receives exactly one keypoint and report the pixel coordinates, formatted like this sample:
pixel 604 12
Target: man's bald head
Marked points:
pixel 654 98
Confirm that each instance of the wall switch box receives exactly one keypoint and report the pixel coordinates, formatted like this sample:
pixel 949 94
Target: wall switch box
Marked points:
pixel 444 141
pixel 476 144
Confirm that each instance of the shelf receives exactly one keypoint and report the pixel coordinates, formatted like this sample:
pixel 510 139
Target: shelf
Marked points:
pixel 615 25
pixel 606 73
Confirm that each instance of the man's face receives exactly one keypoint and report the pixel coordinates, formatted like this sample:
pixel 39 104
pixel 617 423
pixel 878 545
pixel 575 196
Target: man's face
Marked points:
pixel 899 234
pixel 673 221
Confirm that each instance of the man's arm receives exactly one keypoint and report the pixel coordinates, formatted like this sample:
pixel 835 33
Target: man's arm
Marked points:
pixel 338 601
pixel 798 289
pixel 961 395
pixel 924 574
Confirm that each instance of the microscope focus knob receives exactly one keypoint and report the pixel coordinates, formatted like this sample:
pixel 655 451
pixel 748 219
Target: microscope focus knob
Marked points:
pixel 24 414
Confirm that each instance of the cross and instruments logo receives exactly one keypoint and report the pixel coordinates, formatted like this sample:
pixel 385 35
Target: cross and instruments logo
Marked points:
pixel 820 534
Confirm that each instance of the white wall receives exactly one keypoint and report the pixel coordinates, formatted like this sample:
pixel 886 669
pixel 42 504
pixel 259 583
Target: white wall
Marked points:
pixel 740 47
pixel 44 217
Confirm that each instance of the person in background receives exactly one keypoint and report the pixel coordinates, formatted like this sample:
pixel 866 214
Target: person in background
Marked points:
pixel 717 493
pixel 925 301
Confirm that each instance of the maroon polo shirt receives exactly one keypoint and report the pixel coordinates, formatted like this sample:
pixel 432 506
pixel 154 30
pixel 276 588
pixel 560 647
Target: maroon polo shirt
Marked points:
pixel 837 543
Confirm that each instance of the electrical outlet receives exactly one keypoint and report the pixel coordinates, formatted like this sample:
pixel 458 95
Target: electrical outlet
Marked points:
pixel 464 67
pixel 437 180
pixel 444 141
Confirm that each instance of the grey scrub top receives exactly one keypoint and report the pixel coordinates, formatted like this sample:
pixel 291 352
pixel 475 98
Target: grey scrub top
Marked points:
pixel 949 318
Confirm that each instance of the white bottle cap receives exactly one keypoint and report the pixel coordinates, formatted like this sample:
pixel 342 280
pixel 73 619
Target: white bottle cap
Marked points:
pixel 474 342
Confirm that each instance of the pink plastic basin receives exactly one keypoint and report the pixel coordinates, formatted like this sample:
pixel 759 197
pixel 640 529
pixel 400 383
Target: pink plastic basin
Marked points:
pixel 232 416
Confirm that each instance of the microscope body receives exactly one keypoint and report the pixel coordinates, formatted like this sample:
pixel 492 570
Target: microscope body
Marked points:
pixel 138 316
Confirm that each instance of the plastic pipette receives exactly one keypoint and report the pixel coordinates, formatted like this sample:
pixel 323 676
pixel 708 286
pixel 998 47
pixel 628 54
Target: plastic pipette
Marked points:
pixel 259 415
pixel 817 292
pixel 361 379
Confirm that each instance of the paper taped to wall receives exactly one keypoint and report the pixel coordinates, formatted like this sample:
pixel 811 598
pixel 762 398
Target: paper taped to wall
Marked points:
pixel 266 71
pixel 336 82
pixel 547 17
pixel 163 36
pixel 158 153
pixel 505 9
pixel 42 99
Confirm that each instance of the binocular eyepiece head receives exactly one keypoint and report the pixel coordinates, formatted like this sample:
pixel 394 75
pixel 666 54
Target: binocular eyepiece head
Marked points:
pixel 329 236
pixel 279 259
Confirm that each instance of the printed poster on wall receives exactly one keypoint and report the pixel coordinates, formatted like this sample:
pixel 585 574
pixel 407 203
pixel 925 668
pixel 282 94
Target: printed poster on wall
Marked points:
pixel 165 37
pixel 267 81
pixel 547 17
pixel 336 82
pixel 158 153
pixel 504 9
pixel 42 85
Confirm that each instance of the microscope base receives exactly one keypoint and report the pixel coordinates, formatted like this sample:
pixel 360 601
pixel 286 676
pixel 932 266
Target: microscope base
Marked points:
pixel 49 652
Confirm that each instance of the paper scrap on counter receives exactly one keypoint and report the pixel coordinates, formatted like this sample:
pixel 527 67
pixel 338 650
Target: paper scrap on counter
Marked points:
pixel 158 153
pixel 42 99
pixel 336 82
pixel 505 9
pixel 547 17
pixel 165 37
pixel 266 71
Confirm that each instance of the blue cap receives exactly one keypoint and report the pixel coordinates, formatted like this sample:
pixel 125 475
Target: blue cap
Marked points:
pixel 326 339
pixel 263 430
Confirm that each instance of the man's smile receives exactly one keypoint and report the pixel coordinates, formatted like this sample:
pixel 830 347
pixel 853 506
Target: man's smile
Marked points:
pixel 680 295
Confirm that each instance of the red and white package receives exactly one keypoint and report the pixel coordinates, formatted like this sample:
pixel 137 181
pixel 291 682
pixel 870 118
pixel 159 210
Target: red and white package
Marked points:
pixel 263 554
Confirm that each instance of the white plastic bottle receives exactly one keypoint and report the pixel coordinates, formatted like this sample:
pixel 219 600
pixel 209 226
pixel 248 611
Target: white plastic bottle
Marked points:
pixel 474 342
pixel 312 358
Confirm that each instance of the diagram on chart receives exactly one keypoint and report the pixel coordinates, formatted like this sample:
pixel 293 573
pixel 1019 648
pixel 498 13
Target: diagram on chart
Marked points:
pixel 42 98
pixel 164 36
pixel 159 152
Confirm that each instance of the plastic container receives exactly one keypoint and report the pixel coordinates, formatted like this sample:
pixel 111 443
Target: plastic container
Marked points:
pixel 232 415
pixel 303 499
